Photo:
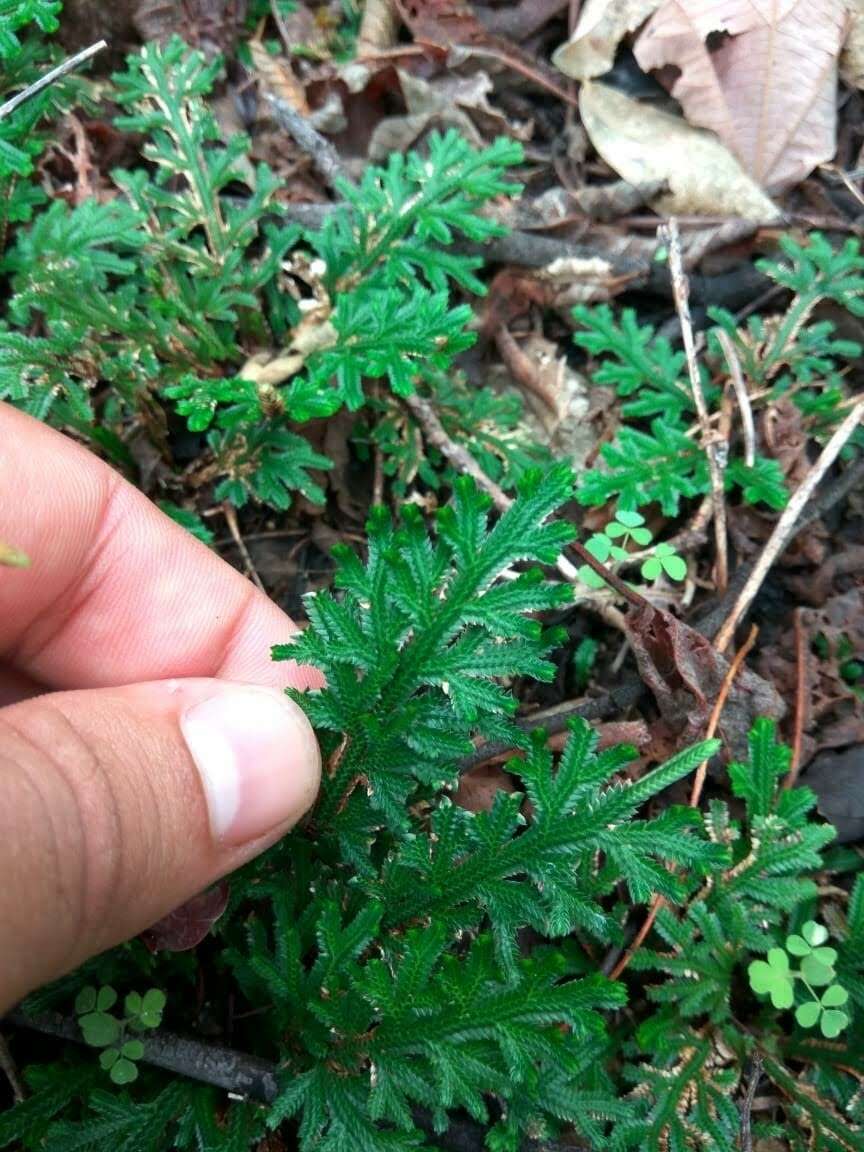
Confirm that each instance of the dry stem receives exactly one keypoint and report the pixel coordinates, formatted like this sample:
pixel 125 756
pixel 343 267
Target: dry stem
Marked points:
pixel 713 442
pixel 741 395
pixel 800 699
pixel 234 528
pixel 68 65
pixel 785 527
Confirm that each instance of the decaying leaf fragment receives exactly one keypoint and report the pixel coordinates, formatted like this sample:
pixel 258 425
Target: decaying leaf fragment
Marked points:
pixel 643 143
pixel 685 672
pixel 762 74
pixel 852 58
pixel 602 26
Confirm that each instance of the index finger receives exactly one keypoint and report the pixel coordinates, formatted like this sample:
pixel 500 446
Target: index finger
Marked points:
pixel 116 592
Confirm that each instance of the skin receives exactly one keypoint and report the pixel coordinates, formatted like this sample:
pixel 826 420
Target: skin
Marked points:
pixel 122 625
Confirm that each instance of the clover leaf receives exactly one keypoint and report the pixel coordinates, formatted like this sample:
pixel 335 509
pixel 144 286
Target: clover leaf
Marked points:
pixel 772 977
pixel 665 559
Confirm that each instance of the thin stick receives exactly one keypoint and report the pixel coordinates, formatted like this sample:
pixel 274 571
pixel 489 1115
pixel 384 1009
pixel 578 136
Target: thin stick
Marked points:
pixel 714 720
pixel 281 26
pixel 660 901
pixel 68 65
pixel 464 462
pixel 800 698
pixel 235 1072
pixel 10 1070
pixel 234 529
pixel 461 459
pixel 784 528
pixel 524 370
pixel 716 447
pixel 741 395
pixel 321 152
pixel 747 1105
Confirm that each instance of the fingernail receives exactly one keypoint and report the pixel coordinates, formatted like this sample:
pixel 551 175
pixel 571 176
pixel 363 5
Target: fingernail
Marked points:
pixel 258 760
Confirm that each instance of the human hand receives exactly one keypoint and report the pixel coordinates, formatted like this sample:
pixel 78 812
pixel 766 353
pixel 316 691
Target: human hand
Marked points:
pixel 146 747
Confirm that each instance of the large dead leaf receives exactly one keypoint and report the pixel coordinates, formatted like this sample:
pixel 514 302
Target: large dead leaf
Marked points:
pixel 602 26
pixel 762 74
pixel 643 143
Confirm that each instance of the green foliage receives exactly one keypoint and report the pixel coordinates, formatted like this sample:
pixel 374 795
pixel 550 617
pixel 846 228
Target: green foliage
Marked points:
pixel 609 547
pixel 168 294
pixel 733 927
pixel 101 1029
pixel 656 456
pixel 776 978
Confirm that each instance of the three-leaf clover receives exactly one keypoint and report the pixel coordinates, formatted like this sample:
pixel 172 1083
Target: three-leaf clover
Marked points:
pixel 92 1007
pixel 665 559
pixel 774 978
pixel 102 1030
pixel 629 526
pixel 145 1011
pixel 825 1012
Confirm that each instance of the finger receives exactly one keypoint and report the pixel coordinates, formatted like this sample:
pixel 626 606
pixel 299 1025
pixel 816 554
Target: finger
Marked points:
pixel 116 592
pixel 117 805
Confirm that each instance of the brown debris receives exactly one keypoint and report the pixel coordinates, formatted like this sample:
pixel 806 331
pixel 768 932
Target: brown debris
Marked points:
pixel 685 673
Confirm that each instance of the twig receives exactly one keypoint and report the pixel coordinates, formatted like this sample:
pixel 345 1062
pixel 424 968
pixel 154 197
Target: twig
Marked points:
pixel 741 395
pixel 555 720
pixel 464 462
pixel 719 704
pixel 66 66
pixel 611 578
pixel 321 152
pixel 659 901
pixel 281 26
pixel 459 457
pixel 9 1069
pixel 747 1104
pixel 784 528
pixel 234 528
pixel 208 1063
pixel 716 447
pixel 800 698
pixel 235 1072
pixel 523 369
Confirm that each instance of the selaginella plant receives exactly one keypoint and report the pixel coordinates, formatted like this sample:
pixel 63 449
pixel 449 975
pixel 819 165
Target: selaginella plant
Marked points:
pixel 176 292
pixel 655 456
pixel 400 961
pixel 418 960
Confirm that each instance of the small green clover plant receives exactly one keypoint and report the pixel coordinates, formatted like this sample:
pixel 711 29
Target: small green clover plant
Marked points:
pixel 774 977
pixel 609 547
pixel 102 1029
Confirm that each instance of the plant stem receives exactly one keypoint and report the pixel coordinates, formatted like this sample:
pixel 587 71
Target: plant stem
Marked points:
pixel 784 529
pixel 45 81
pixel 714 443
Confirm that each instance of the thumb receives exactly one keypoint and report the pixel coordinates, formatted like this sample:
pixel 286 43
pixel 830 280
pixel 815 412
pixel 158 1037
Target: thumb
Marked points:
pixel 117 805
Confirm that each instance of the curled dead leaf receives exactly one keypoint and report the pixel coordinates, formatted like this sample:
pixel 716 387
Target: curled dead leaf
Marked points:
pixel 187 925
pixel 741 86
pixel 685 672
pixel 643 143
pixel 602 26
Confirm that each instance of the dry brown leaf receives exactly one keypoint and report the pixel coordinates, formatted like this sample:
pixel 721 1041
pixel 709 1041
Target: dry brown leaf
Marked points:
pixel 685 672
pixel 852 57
pixel 602 26
pixel 276 76
pixel 211 25
pixel 643 143
pixel 768 87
